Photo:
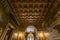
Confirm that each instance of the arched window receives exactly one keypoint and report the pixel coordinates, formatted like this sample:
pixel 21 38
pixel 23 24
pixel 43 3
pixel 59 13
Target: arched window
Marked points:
pixel 30 29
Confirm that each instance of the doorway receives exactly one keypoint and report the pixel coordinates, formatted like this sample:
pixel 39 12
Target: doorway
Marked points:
pixel 30 33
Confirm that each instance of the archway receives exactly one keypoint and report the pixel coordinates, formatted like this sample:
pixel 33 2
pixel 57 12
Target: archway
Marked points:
pixel 30 33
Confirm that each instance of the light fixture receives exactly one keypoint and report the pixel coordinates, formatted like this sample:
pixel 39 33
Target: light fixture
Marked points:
pixel 42 34
pixel 15 35
pixel 20 34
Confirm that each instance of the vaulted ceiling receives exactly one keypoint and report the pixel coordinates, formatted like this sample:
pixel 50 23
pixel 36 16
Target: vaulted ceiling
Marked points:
pixel 34 12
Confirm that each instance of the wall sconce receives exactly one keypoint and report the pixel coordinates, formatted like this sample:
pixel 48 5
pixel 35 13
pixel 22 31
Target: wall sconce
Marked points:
pixel 42 35
pixel 18 35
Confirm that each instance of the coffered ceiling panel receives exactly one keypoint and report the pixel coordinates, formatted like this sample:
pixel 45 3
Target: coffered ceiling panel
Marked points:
pixel 33 11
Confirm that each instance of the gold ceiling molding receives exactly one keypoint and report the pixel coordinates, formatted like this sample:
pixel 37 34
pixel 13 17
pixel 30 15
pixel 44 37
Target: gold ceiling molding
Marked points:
pixel 33 11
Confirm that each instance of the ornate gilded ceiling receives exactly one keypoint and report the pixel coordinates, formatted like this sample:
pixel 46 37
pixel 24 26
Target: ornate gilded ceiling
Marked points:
pixel 34 12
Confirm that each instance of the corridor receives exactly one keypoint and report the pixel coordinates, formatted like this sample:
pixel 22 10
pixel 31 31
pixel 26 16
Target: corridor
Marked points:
pixel 29 19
